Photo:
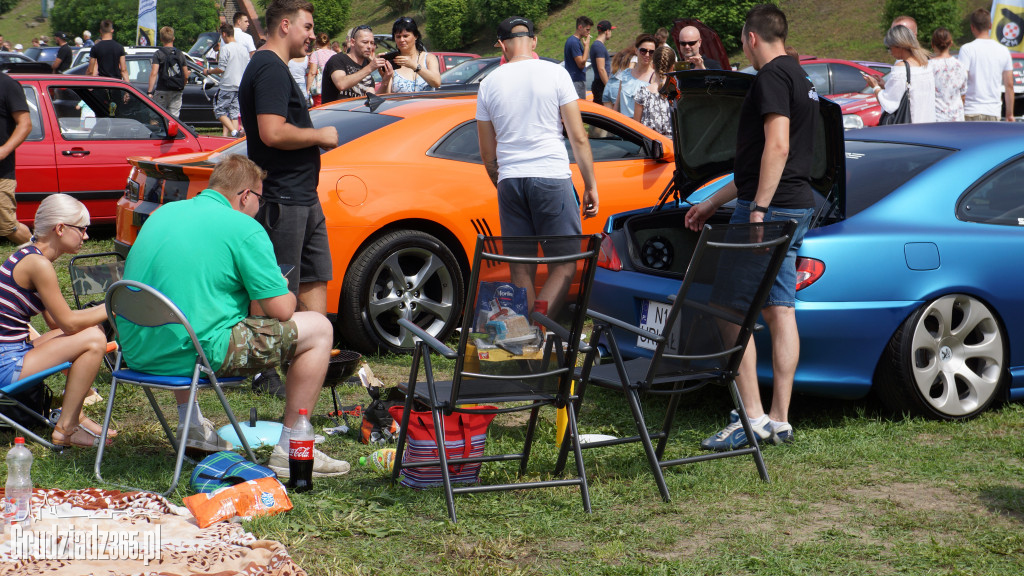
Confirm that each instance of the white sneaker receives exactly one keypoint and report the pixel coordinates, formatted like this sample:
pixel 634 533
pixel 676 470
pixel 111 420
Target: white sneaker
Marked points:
pixel 323 465
pixel 203 436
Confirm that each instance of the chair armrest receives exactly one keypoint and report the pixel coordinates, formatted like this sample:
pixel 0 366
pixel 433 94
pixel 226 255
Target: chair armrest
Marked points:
pixel 628 327
pixel 550 325
pixel 435 344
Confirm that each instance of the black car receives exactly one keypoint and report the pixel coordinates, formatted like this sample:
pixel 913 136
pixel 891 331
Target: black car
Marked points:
pixel 469 74
pixel 46 53
pixel 197 100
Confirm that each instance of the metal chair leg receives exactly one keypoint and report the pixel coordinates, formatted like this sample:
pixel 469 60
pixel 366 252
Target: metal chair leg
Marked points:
pixel 755 443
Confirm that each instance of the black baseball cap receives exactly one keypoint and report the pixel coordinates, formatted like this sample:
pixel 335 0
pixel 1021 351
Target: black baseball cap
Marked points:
pixel 62 35
pixel 604 25
pixel 505 27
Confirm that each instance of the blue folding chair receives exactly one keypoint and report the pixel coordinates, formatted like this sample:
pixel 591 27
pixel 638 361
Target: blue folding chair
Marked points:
pixel 145 306
pixel 7 398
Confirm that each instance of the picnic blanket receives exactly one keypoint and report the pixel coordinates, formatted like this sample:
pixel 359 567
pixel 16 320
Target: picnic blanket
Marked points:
pixel 95 531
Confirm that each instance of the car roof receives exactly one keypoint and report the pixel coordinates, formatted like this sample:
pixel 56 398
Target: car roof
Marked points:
pixel 952 135
pixel 67 78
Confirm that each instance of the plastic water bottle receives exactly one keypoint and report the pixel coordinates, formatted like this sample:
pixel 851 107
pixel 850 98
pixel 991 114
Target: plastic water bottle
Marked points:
pixel 300 454
pixel 382 460
pixel 19 484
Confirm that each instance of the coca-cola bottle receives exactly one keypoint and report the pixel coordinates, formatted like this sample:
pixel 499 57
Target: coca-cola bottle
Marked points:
pixel 300 454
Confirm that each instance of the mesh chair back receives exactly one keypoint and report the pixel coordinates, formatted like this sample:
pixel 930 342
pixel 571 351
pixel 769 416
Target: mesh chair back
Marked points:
pixel 504 352
pixel 93 274
pixel 725 286
pixel 143 305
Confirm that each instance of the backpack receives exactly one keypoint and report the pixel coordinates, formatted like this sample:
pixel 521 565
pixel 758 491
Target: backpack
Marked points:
pixel 172 73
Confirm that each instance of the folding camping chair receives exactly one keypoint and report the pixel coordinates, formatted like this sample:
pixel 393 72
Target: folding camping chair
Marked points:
pixel 7 398
pixel 142 305
pixel 502 358
pixel 91 277
pixel 706 332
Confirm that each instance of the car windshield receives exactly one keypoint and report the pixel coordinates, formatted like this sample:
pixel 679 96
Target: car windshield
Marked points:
pixel 350 125
pixel 463 72
pixel 874 169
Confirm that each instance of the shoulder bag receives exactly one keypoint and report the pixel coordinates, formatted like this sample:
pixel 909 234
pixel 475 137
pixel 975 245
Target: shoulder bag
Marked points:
pixel 902 113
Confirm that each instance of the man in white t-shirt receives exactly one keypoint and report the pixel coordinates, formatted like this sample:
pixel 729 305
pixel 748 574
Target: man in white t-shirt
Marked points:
pixel 241 36
pixel 521 108
pixel 989 72
pixel 231 63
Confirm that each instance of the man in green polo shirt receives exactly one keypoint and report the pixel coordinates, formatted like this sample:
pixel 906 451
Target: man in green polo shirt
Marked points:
pixel 215 261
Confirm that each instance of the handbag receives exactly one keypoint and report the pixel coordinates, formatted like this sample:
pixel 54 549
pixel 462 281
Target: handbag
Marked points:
pixel 464 437
pixel 902 113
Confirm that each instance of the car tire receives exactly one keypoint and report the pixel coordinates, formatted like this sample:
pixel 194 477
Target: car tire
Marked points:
pixel 947 361
pixel 402 274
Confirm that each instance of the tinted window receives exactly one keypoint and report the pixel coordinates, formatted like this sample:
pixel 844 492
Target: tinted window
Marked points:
pixel 818 73
pixel 460 144
pixel 846 79
pixel 350 125
pixel 463 72
pixel 85 113
pixel 997 199
pixel 874 169
pixel 452 61
pixel 609 140
pixel 138 69
pixel 33 112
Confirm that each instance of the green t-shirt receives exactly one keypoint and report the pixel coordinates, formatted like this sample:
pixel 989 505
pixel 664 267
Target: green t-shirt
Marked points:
pixel 210 260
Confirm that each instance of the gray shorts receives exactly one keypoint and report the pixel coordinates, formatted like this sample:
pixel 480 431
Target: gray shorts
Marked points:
pixel 169 100
pixel 226 104
pixel 299 234
pixel 581 89
pixel 539 207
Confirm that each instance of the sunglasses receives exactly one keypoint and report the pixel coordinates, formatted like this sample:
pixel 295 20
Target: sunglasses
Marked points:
pixel 404 20
pixel 645 51
pixel 259 197
pixel 82 229
pixel 360 28
pixel 694 43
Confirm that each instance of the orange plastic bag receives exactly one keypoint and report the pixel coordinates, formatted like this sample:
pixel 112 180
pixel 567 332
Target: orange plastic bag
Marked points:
pixel 262 497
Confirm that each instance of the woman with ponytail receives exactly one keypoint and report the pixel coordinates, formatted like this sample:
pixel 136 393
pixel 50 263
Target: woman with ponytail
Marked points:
pixel 654 103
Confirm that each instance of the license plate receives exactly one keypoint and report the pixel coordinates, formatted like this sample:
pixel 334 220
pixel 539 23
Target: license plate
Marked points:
pixel 652 319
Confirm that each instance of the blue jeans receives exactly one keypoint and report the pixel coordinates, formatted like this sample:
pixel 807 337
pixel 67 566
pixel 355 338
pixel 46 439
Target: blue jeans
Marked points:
pixel 783 292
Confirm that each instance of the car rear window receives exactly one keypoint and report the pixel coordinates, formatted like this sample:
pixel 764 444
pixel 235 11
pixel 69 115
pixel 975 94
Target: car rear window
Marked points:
pixel 874 169
pixel 350 126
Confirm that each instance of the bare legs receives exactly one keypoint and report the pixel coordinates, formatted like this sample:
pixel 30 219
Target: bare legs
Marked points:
pixel 85 351
pixel 554 289
pixel 781 322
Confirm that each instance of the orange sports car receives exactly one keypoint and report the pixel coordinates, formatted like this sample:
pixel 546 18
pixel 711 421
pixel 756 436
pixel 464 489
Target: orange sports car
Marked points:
pixel 405 195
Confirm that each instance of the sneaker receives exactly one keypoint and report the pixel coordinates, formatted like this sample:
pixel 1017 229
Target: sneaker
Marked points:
pixel 268 382
pixel 323 465
pixel 734 436
pixel 782 432
pixel 203 437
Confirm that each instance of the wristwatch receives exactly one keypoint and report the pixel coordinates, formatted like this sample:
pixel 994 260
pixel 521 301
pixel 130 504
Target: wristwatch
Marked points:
pixel 417 70
pixel 755 208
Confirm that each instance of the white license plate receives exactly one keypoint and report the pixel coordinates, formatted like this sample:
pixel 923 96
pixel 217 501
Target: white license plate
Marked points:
pixel 652 319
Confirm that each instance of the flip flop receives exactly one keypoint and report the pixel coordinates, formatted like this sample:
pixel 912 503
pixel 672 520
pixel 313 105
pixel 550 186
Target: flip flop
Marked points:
pixel 79 437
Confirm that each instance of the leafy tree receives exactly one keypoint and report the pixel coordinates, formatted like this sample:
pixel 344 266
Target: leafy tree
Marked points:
pixel 930 14
pixel 725 17
pixel 449 23
pixel 494 11
pixel 329 16
pixel 6 5
pixel 189 18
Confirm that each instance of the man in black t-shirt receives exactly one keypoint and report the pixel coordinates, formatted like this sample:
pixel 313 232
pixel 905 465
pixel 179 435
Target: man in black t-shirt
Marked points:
pixel 350 75
pixel 106 57
pixel 168 74
pixel 774 154
pixel 63 60
pixel 15 125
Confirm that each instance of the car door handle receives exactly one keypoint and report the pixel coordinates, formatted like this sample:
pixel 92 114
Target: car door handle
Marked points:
pixel 75 153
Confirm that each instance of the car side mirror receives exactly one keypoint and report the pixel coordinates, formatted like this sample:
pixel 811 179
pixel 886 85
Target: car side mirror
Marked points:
pixel 658 152
pixel 172 130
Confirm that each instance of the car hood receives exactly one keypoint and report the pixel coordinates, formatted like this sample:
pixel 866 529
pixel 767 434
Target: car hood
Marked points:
pixel 706 122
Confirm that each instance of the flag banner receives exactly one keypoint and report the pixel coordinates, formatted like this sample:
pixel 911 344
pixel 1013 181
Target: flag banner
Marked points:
pixel 1008 24
pixel 146 31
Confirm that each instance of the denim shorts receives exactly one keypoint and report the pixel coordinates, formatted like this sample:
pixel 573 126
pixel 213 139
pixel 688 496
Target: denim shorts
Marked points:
pixel 12 358
pixel 783 292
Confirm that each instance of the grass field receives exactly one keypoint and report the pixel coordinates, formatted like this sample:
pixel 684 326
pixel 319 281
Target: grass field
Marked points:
pixel 861 491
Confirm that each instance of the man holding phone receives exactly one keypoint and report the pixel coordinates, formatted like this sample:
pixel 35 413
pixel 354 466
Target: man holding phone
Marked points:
pixel 689 48
pixel 350 75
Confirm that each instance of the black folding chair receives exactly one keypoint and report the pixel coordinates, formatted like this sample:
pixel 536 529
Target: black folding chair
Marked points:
pixel 91 277
pixel 515 367
pixel 706 332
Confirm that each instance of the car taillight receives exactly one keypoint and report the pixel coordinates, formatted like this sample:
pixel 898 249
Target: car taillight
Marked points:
pixel 131 190
pixel 808 270
pixel 609 257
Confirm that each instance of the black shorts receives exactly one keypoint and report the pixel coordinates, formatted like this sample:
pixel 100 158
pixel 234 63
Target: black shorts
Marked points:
pixel 299 234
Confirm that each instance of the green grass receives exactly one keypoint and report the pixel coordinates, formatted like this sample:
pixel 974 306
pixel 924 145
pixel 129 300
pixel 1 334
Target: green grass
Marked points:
pixel 860 492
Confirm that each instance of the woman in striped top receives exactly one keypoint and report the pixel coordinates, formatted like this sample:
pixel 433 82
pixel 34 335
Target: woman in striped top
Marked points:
pixel 28 286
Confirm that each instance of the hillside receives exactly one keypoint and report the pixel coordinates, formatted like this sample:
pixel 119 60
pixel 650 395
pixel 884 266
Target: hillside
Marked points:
pixel 834 28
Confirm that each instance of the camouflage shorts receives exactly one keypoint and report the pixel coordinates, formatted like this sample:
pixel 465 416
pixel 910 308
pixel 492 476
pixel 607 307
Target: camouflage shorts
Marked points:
pixel 258 343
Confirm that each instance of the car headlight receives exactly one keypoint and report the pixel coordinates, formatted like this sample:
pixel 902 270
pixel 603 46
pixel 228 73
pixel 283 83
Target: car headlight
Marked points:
pixel 852 122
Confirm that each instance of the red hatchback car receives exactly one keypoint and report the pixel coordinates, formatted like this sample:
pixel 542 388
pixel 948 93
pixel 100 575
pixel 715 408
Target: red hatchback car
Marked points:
pixel 83 130
pixel 842 82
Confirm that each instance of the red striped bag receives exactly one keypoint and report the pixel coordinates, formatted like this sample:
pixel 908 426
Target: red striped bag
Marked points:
pixel 464 437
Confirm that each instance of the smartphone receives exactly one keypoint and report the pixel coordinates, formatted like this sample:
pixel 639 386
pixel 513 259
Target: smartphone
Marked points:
pixel 390 56
pixel 287 269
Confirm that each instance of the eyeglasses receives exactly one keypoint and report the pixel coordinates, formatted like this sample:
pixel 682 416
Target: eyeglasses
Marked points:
pixel 260 201
pixel 82 229
pixel 694 43
pixel 645 51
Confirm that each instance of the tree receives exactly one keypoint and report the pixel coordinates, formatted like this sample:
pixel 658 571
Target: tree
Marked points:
pixel 449 23
pixel 725 17
pixel 494 11
pixel 930 14
pixel 189 18
pixel 329 16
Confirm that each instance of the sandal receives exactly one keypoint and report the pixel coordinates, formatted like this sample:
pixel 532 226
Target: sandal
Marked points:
pixel 94 428
pixel 79 437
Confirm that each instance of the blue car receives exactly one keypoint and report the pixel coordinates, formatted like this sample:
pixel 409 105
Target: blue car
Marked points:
pixel 909 282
